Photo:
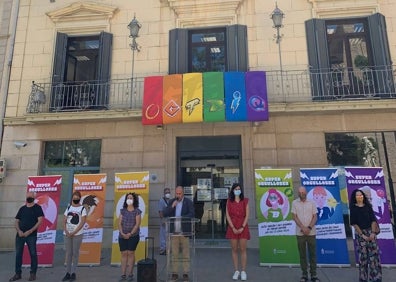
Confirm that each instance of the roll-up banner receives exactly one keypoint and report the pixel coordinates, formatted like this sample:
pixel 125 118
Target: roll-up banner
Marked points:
pixel 371 181
pixel 323 188
pixel 93 194
pixel 48 190
pixel 124 183
pixel 276 228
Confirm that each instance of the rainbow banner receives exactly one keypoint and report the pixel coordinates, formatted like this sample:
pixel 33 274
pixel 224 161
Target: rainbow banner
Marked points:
pixel 124 183
pixel 209 97
pixel 276 228
pixel 192 97
pixel 93 195
pixel 213 89
pixel 48 190
pixel 152 100
pixel 371 181
pixel 235 96
pixel 323 189
pixel 172 99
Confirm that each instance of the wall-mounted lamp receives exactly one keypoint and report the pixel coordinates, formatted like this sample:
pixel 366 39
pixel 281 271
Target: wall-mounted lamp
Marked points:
pixel 160 127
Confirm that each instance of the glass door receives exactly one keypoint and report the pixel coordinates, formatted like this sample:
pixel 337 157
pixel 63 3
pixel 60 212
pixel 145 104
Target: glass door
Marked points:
pixel 208 185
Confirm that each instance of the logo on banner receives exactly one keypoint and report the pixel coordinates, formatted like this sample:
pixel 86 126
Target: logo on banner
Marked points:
pixel 172 108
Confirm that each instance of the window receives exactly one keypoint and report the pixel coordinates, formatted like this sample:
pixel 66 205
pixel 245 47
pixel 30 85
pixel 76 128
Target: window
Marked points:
pixel 209 49
pixel 349 57
pixel 81 72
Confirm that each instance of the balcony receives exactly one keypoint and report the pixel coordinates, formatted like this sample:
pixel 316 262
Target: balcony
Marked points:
pixel 282 87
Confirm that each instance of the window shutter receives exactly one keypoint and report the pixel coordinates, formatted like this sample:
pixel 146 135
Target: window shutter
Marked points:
pixel 237 49
pixel 178 51
pixel 58 73
pixel 103 71
pixel 104 62
pixel 381 54
pixel 318 60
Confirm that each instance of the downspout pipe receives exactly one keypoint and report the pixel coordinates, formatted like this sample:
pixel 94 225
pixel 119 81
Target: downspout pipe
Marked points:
pixel 5 80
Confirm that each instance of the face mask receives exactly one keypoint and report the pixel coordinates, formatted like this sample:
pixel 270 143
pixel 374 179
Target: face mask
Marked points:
pixel 129 202
pixel 30 200
pixel 76 201
pixel 167 195
pixel 237 192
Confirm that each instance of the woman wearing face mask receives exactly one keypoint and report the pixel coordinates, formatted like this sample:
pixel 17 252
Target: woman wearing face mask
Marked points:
pixel 237 213
pixel 129 227
pixel 73 223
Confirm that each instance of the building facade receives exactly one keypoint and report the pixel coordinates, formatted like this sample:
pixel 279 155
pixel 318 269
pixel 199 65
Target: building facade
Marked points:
pixel 75 91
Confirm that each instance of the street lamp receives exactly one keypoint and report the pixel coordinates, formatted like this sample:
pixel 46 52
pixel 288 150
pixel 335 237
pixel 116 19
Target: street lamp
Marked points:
pixel 277 18
pixel 134 27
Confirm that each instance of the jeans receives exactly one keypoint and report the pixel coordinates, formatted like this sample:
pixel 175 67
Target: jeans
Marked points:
pixel 19 245
pixel 303 242
pixel 72 246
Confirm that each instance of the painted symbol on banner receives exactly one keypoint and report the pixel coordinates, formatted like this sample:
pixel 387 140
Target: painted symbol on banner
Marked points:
pixel 172 108
pixel 215 105
pixel 152 111
pixel 236 98
pixel 190 105
pixel 257 103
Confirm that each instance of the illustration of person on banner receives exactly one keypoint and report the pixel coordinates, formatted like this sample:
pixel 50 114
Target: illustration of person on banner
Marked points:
pixel 73 223
pixel 276 206
pixel 325 206
pixel 364 222
pixel 27 222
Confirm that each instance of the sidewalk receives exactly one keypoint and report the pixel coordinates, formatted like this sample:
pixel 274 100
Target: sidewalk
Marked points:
pixel 210 264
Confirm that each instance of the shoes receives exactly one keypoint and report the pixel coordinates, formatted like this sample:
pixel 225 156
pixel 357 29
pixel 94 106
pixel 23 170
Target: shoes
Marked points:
pixel 73 277
pixel 243 276
pixel 123 278
pixel 185 277
pixel 303 279
pixel 236 275
pixel 130 277
pixel 16 277
pixel 67 277
pixel 315 279
pixel 32 277
pixel 174 277
pixel 163 253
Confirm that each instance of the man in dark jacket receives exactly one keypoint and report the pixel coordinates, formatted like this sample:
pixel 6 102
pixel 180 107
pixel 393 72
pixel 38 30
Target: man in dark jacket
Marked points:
pixel 181 211
pixel 27 221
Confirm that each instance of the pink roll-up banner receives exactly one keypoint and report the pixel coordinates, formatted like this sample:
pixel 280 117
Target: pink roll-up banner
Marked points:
pixel 48 190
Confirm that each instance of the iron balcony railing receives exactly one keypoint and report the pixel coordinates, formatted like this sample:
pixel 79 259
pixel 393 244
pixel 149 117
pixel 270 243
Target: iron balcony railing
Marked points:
pixel 282 87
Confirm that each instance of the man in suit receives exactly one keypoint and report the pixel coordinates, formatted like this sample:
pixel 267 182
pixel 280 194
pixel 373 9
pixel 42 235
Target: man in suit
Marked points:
pixel 182 210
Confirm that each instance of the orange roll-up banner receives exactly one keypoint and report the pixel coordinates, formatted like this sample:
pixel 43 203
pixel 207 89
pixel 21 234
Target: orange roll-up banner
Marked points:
pixel 172 98
pixel 48 190
pixel 192 97
pixel 93 194
pixel 124 183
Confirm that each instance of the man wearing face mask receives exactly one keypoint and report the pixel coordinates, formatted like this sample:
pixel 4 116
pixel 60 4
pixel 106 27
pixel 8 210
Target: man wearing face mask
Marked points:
pixel 27 221
pixel 182 209
pixel 162 204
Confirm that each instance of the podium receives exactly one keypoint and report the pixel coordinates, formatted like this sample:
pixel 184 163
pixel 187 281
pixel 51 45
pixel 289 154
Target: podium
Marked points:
pixel 180 245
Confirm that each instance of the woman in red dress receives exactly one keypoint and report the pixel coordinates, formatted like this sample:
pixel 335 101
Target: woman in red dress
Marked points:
pixel 237 213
